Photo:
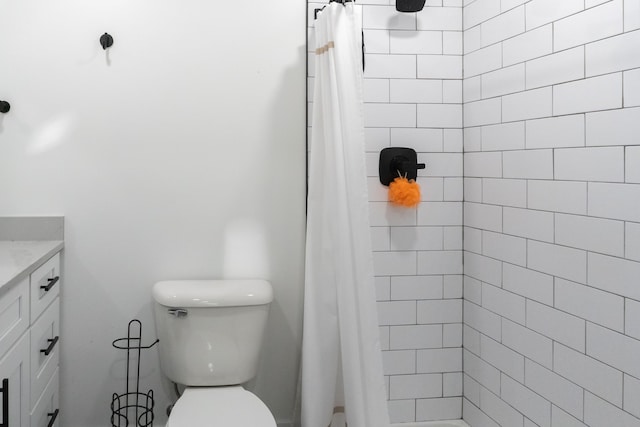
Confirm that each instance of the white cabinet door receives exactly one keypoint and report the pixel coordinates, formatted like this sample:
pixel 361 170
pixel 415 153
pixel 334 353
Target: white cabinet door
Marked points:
pixel 14 367
pixel 14 315
pixel 46 410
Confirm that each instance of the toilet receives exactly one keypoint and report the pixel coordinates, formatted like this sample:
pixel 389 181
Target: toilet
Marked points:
pixel 210 333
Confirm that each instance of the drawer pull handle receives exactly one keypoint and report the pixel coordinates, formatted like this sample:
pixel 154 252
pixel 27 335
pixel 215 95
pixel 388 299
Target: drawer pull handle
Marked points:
pixel 52 282
pixel 53 416
pixel 52 344
pixel 5 402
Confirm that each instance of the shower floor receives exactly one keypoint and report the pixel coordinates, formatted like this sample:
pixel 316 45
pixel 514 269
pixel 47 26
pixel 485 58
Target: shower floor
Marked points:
pixel 446 423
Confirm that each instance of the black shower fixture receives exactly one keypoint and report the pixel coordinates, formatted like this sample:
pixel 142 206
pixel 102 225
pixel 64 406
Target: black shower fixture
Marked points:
pixel 409 5
pixel 397 162
pixel 4 107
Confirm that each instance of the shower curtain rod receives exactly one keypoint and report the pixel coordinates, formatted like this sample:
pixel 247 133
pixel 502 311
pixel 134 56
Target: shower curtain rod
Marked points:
pixel 316 11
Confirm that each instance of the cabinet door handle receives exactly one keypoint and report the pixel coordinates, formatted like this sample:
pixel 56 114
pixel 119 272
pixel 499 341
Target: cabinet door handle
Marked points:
pixel 5 402
pixel 52 344
pixel 53 416
pixel 52 282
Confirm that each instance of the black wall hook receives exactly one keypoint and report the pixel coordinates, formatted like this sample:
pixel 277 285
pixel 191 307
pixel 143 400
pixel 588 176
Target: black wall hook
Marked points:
pixel 4 107
pixel 106 41
pixel 395 161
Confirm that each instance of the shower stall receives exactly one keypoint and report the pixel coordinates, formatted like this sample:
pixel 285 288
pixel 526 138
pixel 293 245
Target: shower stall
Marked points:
pixel 509 296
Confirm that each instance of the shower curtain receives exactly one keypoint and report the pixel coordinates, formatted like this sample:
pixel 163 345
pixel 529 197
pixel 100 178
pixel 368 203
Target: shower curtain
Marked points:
pixel 342 378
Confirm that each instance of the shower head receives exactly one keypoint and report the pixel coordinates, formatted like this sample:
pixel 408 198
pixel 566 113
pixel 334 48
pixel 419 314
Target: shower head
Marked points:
pixel 409 5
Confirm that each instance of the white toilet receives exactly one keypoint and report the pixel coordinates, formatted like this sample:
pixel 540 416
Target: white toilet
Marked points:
pixel 210 333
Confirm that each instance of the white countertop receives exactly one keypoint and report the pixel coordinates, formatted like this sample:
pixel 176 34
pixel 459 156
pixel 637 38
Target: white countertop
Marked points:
pixel 18 259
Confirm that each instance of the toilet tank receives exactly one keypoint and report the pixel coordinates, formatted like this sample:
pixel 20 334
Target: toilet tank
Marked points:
pixel 211 331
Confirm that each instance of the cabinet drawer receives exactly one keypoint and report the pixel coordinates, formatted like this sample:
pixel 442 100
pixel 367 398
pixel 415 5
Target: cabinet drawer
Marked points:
pixel 45 285
pixel 14 314
pixel 45 349
pixel 46 411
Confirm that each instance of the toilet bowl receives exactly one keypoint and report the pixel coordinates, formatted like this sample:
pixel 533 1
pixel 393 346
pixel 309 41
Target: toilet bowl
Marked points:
pixel 220 407
pixel 210 333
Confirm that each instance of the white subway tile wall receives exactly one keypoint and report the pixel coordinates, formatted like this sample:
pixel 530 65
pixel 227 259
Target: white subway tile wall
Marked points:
pixel 413 97
pixel 552 213
pixel 527 113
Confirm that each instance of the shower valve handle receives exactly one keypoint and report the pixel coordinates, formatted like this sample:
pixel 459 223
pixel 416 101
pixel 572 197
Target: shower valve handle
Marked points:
pixel 402 164
pixel 410 165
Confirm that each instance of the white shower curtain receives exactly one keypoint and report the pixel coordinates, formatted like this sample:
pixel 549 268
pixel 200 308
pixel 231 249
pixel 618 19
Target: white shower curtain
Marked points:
pixel 342 378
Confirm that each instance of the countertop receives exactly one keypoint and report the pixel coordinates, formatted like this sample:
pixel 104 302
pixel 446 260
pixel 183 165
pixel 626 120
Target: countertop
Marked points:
pixel 18 259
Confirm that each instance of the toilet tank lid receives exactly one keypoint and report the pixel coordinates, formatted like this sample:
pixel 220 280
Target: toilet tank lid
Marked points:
pixel 213 293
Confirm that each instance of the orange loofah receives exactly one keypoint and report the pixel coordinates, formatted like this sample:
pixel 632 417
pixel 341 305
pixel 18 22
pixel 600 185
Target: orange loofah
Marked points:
pixel 404 192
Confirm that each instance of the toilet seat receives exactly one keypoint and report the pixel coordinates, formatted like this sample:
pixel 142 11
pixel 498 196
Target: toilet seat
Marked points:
pixel 221 407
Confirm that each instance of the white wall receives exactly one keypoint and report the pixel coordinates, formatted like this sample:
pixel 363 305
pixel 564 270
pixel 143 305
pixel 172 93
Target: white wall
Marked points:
pixel 178 154
pixel 552 202
pixel 413 97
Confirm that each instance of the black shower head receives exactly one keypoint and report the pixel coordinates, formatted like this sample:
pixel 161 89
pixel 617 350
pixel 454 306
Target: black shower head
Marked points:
pixel 409 5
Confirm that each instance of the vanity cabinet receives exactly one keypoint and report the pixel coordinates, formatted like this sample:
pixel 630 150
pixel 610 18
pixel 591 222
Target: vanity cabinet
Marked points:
pixel 29 348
